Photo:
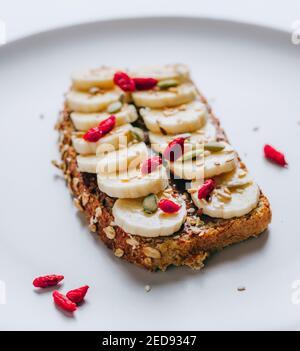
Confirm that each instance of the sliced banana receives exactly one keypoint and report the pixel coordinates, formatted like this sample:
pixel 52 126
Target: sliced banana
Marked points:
pixel 84 102
pixel 129 215
pixel 180 119
pixel 113 161
pixel 118 138
pixel 101 77
pixel 220 162
pixel 206 165
pixel 131 183
pixel 179 72
pixel 182 94
pixel 208 132
pixel 123 159
pixel 88 163
pixel 85 121
pixel 233 197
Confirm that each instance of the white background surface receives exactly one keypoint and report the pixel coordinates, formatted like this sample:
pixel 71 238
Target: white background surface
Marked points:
pixel 251 76
pixel 29 16
pixel 256 79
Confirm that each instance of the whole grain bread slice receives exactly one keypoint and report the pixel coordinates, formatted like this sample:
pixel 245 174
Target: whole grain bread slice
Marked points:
pixel 199 236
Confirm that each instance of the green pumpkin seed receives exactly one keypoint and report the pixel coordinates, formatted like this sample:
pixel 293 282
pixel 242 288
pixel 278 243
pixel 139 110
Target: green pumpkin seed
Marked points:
pixel 137 134
pixel 168 83
pixel 150 204
pixel 122 98
pixel 191 155
pixel 114 107
pixel 214 146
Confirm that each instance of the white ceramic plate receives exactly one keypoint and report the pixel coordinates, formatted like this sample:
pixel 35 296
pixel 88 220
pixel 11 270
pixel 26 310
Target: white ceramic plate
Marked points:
pixel 251 75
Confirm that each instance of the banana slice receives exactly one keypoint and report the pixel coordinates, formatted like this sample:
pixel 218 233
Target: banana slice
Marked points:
pixel 179 72
pixel 206 166
pixel 85 121
pixel 180 119
pixel 101 77
pixel 113 161
pixel 131 183
pixel 123 159
pixel 181 94
pixel 233 197
pixel 129 215
pixel 207 133
pixel 118 138
pixel 216 163
pixel 88 163
pixel 84 102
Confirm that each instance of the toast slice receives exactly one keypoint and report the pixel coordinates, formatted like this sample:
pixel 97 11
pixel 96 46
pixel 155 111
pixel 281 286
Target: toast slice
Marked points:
pixel 199 236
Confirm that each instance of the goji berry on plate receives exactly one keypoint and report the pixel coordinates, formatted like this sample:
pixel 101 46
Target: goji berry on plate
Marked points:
pixel 47 280
pixel 63 302
pixel 77 295
pixel 274 155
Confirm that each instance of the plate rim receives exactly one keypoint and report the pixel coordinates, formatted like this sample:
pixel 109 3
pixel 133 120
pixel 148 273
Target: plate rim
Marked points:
pixel 127 19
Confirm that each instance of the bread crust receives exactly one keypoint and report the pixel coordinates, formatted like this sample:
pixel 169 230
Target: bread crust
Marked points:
pixel 190 246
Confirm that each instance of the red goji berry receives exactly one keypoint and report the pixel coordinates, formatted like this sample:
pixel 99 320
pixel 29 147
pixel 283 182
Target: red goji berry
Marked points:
pixel 92 135
pixel 123 81
pixel 96 133
pixel 77 295
pixel 107 125
pixel 174 150
pixel 274 155
pixel 205 190
pixel 63 302
pixel 47 280
pixel 151 164
pixel 169 206
pixel 145 83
